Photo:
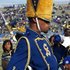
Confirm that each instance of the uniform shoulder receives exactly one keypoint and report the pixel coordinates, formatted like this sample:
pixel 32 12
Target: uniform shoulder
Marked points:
pixel 18 35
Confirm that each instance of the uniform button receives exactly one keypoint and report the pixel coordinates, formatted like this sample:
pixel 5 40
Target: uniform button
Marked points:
pixel 34 4
pixel 34 1
pixel 14 68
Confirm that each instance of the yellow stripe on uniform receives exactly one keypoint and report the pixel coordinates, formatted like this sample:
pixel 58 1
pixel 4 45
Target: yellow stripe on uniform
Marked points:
pixel 28 46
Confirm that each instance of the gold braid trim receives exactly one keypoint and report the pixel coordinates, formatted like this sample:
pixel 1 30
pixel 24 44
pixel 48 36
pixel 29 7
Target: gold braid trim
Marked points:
pixel 49 44
pixel 41 52
pixel 50 47
pixel 28 46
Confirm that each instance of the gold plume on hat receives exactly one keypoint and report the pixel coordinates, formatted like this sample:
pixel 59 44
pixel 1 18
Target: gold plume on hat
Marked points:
pixel 43 9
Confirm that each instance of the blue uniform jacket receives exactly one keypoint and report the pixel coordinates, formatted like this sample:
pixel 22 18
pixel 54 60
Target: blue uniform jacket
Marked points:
pixel 33 50
pixel 60 52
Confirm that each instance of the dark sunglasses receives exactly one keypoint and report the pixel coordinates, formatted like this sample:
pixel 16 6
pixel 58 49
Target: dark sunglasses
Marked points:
pixel 48 22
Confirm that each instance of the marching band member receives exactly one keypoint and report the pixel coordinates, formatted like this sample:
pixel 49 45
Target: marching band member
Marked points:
pixel 33 49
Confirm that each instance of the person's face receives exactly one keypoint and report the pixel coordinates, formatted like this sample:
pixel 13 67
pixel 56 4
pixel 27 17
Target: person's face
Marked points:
pixel 52 40
pixel 44 26
pixel 67 67
pixel 7 46
pixel 67 33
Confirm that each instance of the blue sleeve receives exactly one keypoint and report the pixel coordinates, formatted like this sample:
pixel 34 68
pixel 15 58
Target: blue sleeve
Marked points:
pixel 19 58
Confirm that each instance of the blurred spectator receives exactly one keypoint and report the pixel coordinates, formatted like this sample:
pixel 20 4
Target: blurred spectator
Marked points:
pixel 66 35
pixel 66 63
pixel 68 53
pixel 67 32
pixel 7 53
pixel 58 49
pixel 51 39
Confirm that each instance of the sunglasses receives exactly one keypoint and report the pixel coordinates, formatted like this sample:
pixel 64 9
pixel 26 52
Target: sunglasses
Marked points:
pixel 46 21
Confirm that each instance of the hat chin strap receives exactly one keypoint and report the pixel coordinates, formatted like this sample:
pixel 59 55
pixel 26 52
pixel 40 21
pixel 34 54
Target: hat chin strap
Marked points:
pixel 38 24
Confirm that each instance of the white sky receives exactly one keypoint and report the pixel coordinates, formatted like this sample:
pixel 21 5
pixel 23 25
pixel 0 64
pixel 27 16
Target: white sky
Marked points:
pixel 8 2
